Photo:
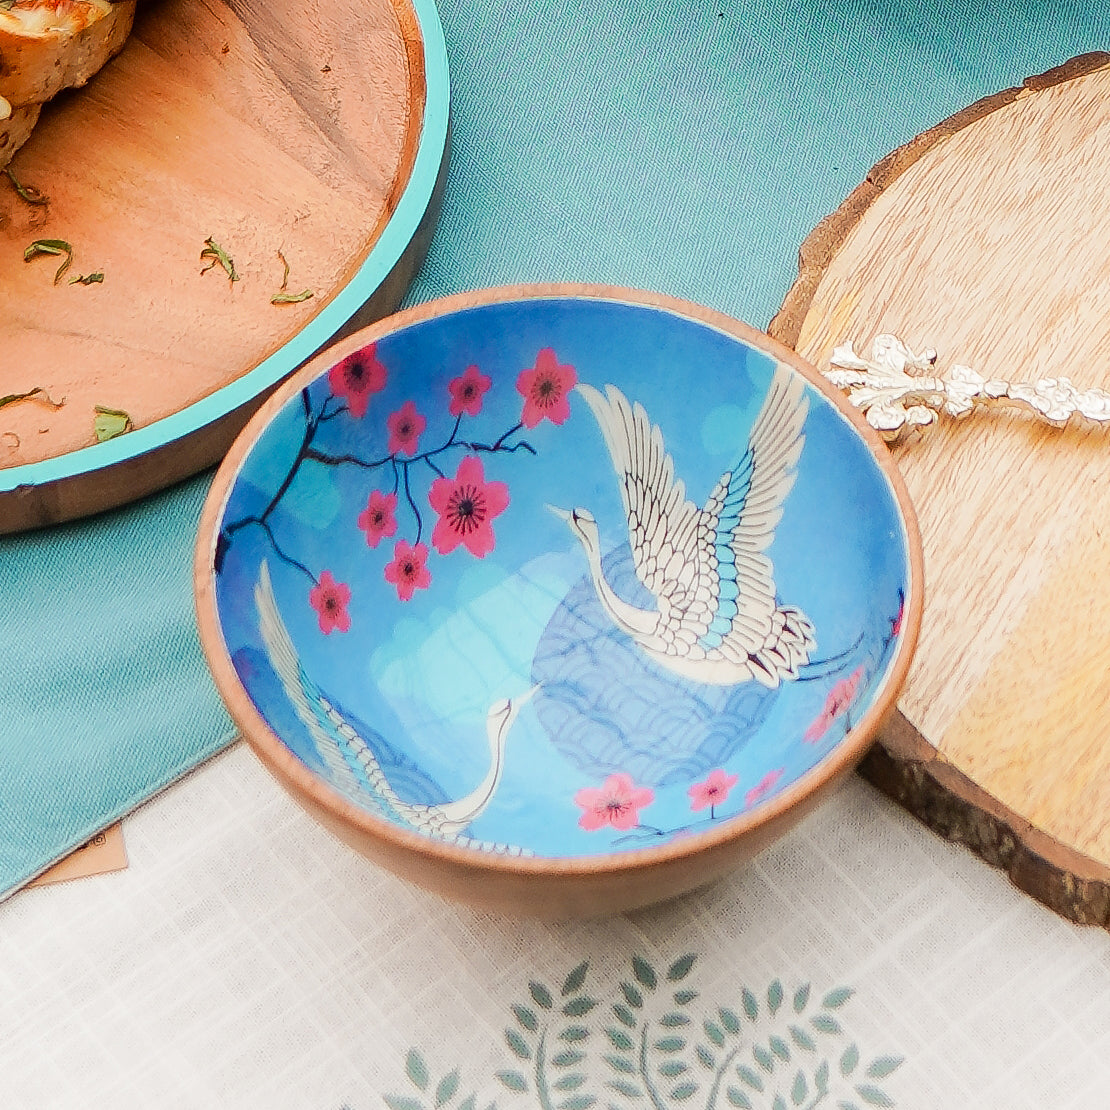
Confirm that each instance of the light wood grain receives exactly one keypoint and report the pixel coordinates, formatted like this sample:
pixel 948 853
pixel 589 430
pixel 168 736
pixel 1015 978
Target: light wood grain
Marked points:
pixel 284 126
pixel 987 241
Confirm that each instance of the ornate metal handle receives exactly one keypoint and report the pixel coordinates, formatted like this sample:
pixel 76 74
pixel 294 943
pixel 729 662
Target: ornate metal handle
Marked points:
pixel 898 391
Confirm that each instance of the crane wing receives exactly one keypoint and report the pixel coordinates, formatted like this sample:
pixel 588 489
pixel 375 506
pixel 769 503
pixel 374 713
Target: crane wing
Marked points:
pixel 665 529
pixel 745 507
pixel 351 764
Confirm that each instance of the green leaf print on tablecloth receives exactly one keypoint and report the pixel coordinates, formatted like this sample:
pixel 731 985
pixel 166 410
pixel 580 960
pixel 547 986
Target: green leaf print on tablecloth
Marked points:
pixel 659 1044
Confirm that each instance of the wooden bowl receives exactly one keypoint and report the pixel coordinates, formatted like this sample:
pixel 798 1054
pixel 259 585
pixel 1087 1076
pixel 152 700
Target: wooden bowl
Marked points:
pixel 473 587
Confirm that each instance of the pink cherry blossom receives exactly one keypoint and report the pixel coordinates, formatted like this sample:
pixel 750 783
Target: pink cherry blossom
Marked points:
pixel 616 802
pixel 838 702
pixel 467 392
pixel 713 791
pixel 762 788
pixel 357 378
pixel 379 518
pixel 467 505
pixel 330 598
pixel 545 388
pixel 405 426
pixel 407 571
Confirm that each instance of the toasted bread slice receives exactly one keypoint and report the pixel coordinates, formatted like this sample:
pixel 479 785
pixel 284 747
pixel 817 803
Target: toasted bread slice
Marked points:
pixel 15 129
pixel 50 45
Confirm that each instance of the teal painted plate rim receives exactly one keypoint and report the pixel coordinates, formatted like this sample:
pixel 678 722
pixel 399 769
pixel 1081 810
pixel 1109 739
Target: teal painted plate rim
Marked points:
pixel 386 252
pixel 358 824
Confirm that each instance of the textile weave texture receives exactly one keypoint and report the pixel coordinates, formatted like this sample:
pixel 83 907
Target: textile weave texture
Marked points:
pixel 104 694
pixel 248 960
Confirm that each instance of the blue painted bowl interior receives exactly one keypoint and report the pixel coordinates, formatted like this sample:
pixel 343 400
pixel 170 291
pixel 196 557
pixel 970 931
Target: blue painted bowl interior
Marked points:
pixel 611 750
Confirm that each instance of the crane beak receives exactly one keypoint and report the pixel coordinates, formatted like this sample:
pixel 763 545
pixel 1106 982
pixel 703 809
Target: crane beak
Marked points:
pixel 562 514
pixel 513 706
pixel 516 704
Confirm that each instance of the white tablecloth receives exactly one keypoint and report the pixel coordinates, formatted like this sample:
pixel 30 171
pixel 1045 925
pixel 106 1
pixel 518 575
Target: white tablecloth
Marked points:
pixel 247 959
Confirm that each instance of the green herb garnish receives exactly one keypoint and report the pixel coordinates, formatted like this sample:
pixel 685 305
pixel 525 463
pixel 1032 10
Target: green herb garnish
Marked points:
pixel 281 296
pixel 38 393
pixel 54 247
pixel 28 192
pixel 109 423
pixel 96 278
pixel 219 257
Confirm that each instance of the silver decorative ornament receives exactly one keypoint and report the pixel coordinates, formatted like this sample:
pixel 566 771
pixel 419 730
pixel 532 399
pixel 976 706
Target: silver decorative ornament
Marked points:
pixel 898 391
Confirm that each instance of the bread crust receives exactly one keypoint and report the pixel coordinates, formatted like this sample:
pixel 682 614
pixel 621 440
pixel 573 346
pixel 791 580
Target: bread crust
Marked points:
pixel 35 66
pixel 15 130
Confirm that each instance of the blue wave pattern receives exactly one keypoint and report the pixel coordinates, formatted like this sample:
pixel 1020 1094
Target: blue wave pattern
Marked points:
pixel 608 708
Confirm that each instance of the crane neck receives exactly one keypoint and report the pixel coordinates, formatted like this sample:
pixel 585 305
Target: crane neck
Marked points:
pixel 629 619
pixel 467 809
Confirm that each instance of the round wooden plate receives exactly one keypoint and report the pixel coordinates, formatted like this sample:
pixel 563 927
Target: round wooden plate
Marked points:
pixel 984 239
pixel 308 141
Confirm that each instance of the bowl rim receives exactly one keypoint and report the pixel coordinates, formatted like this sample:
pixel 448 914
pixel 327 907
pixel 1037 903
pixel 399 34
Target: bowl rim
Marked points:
pixel 301 780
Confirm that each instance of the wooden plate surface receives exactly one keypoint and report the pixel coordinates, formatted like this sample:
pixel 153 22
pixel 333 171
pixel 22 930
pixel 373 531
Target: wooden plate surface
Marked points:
pixel 309 134
pixel 985 239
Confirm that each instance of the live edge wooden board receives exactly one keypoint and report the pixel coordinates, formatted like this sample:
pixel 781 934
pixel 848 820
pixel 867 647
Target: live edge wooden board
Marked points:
pixel 986 239
pixel 311 132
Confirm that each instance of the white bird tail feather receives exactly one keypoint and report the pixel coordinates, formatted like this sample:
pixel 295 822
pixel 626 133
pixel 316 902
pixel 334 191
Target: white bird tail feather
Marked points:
pixel 789 643
pixel 287 666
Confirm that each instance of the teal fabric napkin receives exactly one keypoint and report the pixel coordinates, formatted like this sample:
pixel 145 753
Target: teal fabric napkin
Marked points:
pixel 104 694
pixel 686 146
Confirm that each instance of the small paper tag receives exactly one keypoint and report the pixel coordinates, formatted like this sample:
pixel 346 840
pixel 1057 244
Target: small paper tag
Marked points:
pixel 105 852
